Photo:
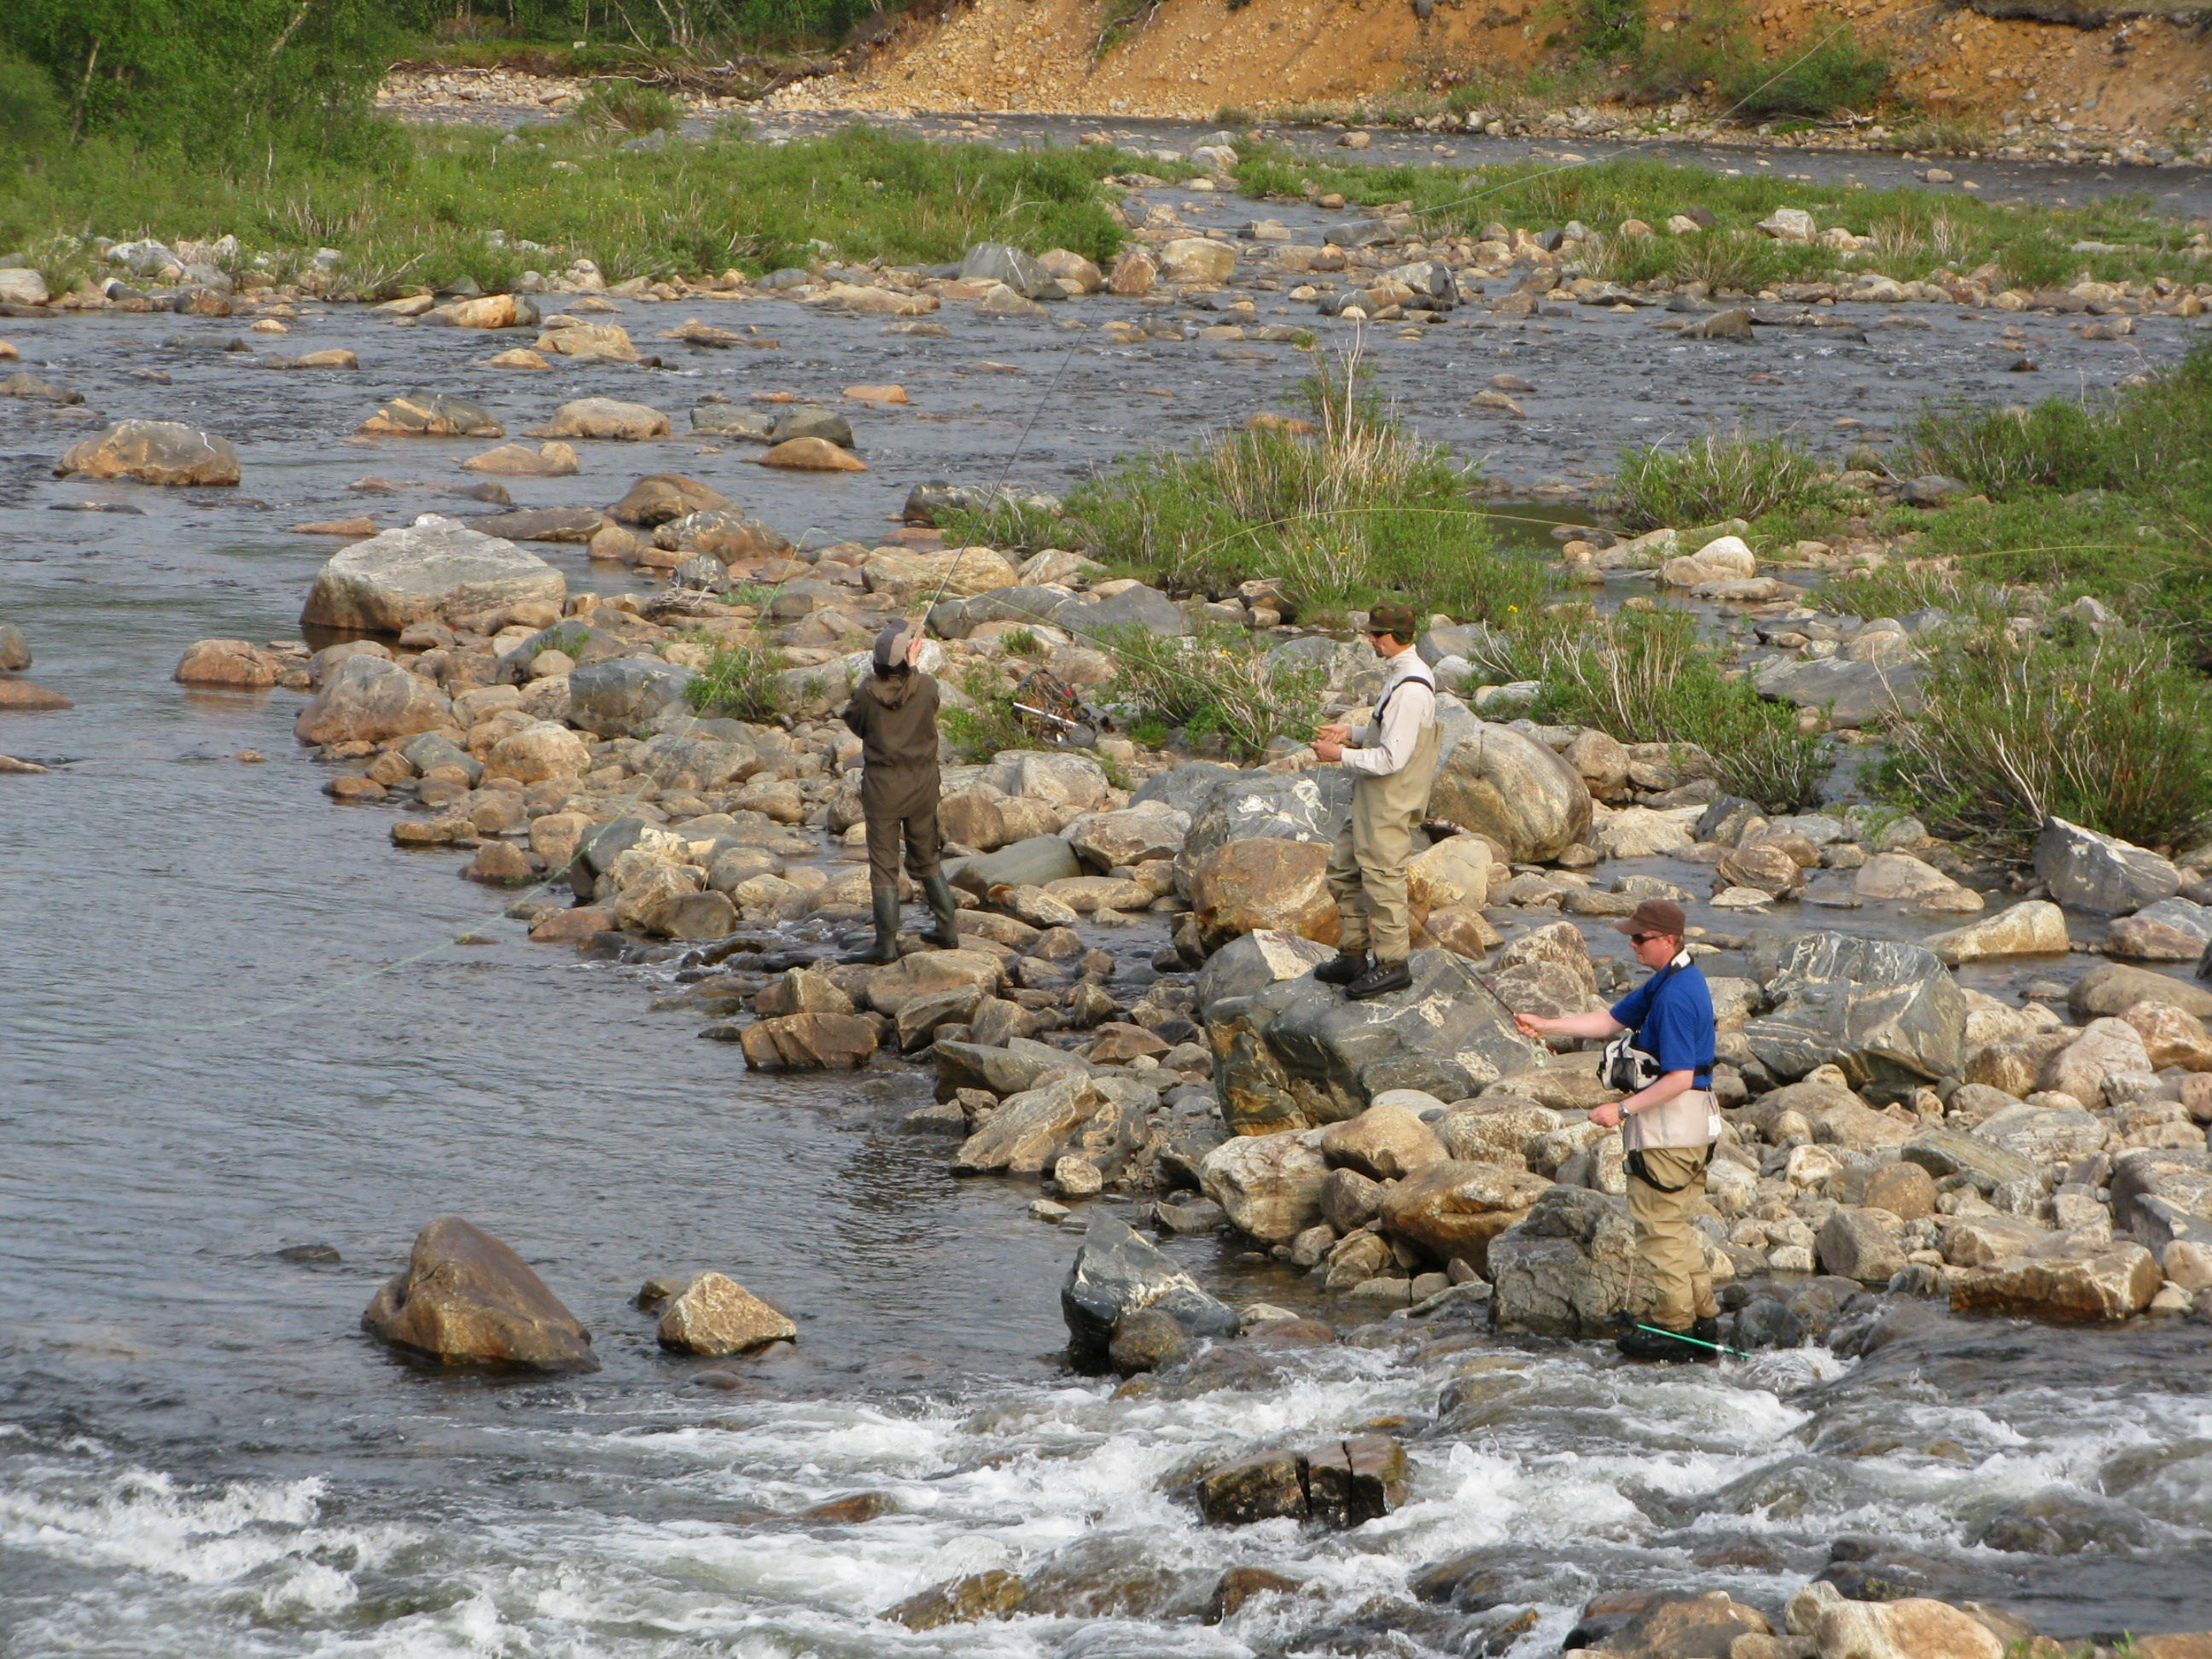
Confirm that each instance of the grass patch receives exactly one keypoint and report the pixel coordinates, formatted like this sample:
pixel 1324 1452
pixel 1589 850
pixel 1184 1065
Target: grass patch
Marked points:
pixel 419 211
pixel 2110 733
pixel 739 679
pixel 1718 477
pixel 992 725
pixel 2109 498
pixel 1643 677
pixel 1218 683
pixel 1919 232
pixel 1358 510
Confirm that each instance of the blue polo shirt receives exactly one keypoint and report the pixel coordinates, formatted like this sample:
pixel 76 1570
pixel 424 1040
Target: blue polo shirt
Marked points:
pixel 1672 1015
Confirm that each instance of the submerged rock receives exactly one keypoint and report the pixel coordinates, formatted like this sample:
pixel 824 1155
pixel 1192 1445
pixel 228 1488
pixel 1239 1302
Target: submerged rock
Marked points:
pixel 467 1299
pixel 714 1315
pixel 153 451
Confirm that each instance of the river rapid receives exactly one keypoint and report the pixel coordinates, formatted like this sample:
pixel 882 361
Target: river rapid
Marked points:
pixel 236 1022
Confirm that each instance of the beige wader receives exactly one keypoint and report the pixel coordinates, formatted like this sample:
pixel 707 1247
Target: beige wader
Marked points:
pixel 1680 1290
pixel 1367 866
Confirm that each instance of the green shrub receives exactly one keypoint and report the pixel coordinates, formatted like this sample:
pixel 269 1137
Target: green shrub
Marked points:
pixel 1219 682
pixel 1716 477
pixel 740 680
pixel 627 106
pixel 1643 677
pixel 1837 74
pixel 2109 732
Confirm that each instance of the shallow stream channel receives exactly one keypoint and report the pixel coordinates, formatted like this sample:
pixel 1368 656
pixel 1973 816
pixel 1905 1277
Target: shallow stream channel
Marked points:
pixel 235 1021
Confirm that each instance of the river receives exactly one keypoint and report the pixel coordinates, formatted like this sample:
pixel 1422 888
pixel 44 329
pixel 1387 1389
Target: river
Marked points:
pixel 236 1022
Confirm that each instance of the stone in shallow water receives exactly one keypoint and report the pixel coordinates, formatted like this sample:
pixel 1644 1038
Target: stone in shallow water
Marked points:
pixel 466 1298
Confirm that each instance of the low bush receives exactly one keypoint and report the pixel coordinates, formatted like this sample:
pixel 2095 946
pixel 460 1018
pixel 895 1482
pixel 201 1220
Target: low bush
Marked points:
pixel 1837 74
pixel 1219 683
pixel 627 106
pixel 992 725
pixel 1643 677
pixel 1732 475
pixel 740 680
pixel 2108 732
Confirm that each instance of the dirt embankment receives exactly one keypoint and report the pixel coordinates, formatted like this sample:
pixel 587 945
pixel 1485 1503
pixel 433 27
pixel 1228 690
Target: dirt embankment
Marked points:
pixel 2148 76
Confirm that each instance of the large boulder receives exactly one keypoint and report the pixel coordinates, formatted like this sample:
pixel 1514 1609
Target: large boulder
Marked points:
pixel 238 664
pixel 616 698
pixel 1910 1627
pixel 153 451
pixel 2065 1279
pixel 1568 1268
pixel 1116 1274
pixel 1248 885
pixel 2087 871
pixel 434 569
pixel 1500 783
pixel 1001 262
pixel 2170 930
pixel 2106 1047
pixel 1302 806
pixel 467 1299
pixel 2162 1193
pixel 368 700
pixel 546 749
pixel 1887 1014
pixel 1298 1053
pixel 1386 1142
pixel 1136 835
pixel 1030 862
pixel 721 532
pixel 1269 1186
pixel 1852 693
pixel 1450 1211
pixel 657 497
pixel 1454 871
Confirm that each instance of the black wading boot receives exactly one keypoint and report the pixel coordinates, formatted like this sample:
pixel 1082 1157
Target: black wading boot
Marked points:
pixel 886 950
pixel 1343 971
pixel 1685 1347
pixel 946 908
pixel 1380 980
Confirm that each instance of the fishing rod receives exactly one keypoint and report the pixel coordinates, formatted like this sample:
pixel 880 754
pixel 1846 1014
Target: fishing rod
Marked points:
pixel 1682 1336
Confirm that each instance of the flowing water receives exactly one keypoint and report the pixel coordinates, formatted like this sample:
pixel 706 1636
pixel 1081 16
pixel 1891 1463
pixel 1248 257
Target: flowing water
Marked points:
pixel 235 1021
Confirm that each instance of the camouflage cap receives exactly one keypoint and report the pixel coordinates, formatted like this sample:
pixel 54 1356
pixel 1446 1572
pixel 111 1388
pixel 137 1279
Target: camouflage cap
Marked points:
pixel 1392 618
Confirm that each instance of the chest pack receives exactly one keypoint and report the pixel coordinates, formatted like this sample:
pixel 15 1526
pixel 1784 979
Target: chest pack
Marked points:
pixel 1627 1066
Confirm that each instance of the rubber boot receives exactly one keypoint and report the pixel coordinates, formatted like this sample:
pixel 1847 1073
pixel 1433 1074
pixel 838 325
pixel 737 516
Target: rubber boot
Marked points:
pixel 946 908
pixel 886 950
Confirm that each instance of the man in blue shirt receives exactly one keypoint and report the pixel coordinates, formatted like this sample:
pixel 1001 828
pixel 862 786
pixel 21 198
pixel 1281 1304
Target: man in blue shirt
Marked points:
pixel 1667 1125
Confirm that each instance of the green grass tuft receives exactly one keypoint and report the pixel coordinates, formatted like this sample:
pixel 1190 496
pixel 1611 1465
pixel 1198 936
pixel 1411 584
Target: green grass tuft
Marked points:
pixel 1718 477
pixel 740 680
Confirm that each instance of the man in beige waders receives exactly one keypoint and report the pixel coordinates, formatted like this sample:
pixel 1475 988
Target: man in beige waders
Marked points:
pixel 894 714
pixel 1668 1123
pixel 1392 768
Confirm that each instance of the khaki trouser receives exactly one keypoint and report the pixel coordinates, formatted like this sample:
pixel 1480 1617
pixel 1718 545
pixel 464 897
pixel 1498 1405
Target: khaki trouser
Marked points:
pixel 1672 1253
pixel 1367 865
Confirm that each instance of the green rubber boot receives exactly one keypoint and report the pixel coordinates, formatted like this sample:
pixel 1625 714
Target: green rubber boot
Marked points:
pixel 946 908
pixel 886 950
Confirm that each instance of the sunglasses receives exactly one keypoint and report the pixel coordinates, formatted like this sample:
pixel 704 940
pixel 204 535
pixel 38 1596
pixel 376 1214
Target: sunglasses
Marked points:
pixel 1644 938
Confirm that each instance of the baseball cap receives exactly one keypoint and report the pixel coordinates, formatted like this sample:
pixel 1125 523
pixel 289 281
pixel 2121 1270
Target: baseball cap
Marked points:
pixel 890 644
pixel 1655 916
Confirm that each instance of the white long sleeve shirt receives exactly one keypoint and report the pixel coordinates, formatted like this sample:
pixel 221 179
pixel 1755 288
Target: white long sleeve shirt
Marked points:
pixel 1408 703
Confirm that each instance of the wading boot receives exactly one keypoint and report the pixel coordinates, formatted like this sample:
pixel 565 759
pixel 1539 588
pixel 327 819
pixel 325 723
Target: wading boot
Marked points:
pixel 946 908
pixel 1668 1346
pixel 886 950
pixel 1380 980
pixel 1342 970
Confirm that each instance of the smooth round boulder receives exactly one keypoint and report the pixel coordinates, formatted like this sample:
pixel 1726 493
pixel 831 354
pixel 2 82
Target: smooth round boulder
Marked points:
pixel 435 569
pixel 812 455
pixel 239 664
pixel 368 700
pixel 154 451
pixel 603 417
pixel 537 752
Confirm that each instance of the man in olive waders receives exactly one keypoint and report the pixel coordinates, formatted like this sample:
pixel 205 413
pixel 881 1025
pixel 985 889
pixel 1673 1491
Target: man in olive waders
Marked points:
pixel 894 714
pixel 1669 1124
pixel 1392 769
